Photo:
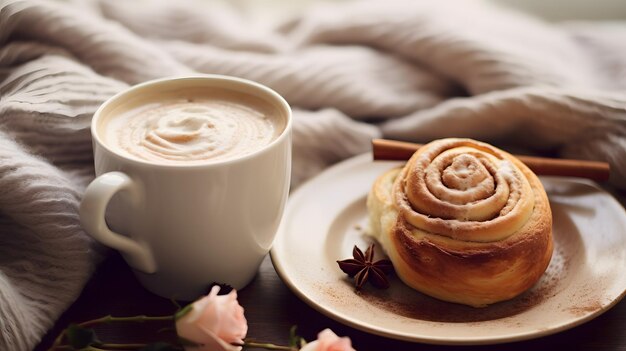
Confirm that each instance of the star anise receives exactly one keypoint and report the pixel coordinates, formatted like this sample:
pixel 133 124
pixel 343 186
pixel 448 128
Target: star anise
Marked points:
pixel 363 268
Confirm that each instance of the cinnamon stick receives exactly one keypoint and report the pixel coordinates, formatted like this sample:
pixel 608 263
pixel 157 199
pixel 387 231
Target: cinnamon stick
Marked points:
pixel 384 149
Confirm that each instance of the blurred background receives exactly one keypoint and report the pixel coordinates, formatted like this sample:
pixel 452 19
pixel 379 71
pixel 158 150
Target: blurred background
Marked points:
pixel 553 10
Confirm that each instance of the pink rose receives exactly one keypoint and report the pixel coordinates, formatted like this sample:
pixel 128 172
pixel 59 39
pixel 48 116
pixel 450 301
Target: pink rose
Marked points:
pixel 329 341
pixel 214 322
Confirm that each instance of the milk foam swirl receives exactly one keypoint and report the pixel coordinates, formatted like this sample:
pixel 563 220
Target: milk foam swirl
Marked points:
pixel 192 131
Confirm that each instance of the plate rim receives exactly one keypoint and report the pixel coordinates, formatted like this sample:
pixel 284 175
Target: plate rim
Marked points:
pixel 357 324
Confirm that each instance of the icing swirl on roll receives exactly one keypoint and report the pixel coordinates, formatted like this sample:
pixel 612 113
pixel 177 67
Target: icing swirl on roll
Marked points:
pixel 454 186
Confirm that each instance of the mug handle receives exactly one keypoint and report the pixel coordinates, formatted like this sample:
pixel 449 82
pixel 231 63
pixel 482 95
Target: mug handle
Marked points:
pixel 92 211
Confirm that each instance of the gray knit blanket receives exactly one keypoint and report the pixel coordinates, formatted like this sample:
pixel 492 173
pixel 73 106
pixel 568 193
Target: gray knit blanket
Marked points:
pixel 352 71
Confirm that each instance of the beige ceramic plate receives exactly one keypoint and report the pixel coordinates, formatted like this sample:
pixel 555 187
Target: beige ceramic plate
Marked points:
pixel 326 217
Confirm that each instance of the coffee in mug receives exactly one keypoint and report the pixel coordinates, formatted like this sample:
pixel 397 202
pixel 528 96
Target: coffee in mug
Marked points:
pixel 192 178
pixel 199 127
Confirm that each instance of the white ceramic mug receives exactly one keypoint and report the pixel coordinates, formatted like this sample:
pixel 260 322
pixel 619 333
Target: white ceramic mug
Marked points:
pixel 183 227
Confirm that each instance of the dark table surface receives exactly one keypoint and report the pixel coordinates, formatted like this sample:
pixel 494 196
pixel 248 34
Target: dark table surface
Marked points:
pixel 271 309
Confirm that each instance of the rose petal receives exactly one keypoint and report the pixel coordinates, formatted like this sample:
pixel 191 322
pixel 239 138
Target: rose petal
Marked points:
pixel 214 317
pixel 311 346
pixel 329 341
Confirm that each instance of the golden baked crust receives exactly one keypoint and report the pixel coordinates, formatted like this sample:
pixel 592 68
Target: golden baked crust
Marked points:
pixel 464 222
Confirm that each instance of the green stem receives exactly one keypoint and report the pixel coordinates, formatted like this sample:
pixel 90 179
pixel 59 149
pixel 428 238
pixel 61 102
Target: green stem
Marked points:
pixel 109 319
pixel 105 347
pixel 122 346
pixel 268 346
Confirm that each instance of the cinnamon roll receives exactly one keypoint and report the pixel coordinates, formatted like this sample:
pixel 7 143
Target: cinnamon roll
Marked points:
pixel 464 222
